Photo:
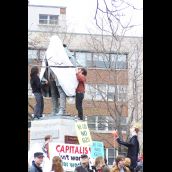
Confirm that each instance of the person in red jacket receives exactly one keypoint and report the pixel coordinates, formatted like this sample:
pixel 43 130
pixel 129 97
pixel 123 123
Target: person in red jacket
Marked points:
pixel 80 90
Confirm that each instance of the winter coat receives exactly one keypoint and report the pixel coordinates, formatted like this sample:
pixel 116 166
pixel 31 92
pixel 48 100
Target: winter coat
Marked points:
pixel 35 168
pixel 35 84
pixel 81 169
pixel 105 168
pixel 133 149
pixel 116 169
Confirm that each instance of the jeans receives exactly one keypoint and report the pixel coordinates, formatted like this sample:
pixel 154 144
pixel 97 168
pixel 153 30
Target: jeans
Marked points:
pixel 78 103
pixel 39 107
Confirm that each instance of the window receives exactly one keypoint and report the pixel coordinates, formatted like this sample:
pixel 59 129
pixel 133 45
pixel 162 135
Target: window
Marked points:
pixel 32 54
pixel 102 60
pixel 117 93
pixel 43 19
pixel 122 92
pixel 106 92
pixel 100 91
pixel 91 121
pixel 95 91
pixel 110 92
pixel 123 120
pixel 110 123
pixel 119 61
pixel 91 92
pixel 111 155
pixel 48 19
pixel 83 58
pixel 89 59
pixel 53 19
pixel 35 54
pixel 100 123
pixel 42 54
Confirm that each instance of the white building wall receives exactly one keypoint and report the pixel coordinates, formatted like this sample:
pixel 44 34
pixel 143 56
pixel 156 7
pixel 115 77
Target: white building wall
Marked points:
pixel 33 18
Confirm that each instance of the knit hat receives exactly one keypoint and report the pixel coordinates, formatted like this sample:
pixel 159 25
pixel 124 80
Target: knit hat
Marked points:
pixel 38 154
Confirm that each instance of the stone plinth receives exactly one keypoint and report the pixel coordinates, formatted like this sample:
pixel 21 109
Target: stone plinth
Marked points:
pixel 56 126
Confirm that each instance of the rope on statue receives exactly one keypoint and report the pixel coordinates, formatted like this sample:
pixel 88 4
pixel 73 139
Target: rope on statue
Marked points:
pixel 55 66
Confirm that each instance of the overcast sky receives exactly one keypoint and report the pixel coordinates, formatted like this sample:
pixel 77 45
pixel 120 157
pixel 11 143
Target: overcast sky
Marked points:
pixel 80 14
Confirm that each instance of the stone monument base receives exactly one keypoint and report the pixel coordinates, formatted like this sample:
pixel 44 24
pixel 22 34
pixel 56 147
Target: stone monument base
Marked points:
pixel 57 126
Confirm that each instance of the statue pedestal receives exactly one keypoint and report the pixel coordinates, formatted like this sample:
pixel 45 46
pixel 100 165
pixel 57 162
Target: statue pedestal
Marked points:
pixel 57 126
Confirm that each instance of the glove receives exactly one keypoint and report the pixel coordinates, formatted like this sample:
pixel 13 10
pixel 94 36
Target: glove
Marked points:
pixel 115 134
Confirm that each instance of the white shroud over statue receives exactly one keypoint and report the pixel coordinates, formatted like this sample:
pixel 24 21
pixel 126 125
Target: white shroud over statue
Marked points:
pixel 59 63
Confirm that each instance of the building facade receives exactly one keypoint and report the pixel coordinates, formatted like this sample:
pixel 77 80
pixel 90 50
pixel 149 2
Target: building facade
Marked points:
pixel 46 18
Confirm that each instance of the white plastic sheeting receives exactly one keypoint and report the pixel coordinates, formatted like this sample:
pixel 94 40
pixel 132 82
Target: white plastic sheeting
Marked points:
pixel 57 58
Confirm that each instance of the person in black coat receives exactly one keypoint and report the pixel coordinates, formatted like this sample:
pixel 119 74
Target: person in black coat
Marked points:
pixel 133 146
pixel 37 91
pixel 84 167
pixel 36 164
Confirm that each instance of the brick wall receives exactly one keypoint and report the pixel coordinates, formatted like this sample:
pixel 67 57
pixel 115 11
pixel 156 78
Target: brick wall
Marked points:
pixel 99 76
pixel 90 108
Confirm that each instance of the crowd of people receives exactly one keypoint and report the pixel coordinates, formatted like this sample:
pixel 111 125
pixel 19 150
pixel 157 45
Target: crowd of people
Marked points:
pixel 121 164
pixel 39 161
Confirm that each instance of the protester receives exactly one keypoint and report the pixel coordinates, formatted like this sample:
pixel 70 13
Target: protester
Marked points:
pixel 133 145
pixel 36 163
pixel 119 165
pixel 80 90
pixel 57 165
pixel 127 162
pixel 139 167
pixel 84 167
pixel 36 90
pixel 48 139
pixel 43 148
pixel 100 165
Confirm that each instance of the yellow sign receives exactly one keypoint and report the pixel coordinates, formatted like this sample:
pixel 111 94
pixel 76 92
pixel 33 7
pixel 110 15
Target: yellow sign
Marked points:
pixel 83 133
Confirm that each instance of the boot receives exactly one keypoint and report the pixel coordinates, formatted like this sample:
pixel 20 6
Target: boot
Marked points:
pixel 55 109
pixel 53 113
pixel 61 112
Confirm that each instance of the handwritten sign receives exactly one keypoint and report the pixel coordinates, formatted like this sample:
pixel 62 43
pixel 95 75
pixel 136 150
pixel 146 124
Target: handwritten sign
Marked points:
pixel 83 133
pixel 69 153
pixel 97 149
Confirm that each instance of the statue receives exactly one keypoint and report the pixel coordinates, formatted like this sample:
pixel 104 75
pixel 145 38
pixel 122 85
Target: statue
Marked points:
pixel 60 73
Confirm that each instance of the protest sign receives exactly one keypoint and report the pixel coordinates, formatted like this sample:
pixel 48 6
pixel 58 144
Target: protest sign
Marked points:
pixel 83 133
pixel 97 149
pixel 69 153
